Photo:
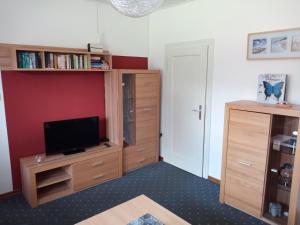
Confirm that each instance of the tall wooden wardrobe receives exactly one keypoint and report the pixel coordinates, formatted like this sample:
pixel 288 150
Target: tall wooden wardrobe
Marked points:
pixel 261 161
pixel 140 112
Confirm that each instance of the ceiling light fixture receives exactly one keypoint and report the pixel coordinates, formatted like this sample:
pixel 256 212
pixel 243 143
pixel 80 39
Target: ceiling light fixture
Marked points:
pixel 136 8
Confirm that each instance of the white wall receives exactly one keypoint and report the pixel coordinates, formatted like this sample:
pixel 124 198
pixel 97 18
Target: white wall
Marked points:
pixel 228 23
pixel 5 167
pixel 71 23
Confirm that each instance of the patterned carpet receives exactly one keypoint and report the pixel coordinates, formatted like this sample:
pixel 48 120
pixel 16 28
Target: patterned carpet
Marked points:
pixel 190 197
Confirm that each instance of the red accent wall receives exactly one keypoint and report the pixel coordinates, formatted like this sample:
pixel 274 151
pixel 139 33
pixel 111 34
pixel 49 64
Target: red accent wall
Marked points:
pixel 127 62
pixel 31 98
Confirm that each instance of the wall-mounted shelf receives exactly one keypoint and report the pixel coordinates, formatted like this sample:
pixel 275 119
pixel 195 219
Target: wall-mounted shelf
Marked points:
pixel 45 58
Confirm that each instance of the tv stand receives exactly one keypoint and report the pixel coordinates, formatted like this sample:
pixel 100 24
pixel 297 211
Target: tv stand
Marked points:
pixel 74 151
pixel 60 175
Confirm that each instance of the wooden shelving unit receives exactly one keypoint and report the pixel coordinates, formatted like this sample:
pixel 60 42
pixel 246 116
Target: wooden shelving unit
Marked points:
pixel 261 161
pixel 60 175
pixel 37 58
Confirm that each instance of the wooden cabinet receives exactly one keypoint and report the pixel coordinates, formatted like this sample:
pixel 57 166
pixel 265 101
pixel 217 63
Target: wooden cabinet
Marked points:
pixel 59 175
pixel 253 160
pixel 248 136
pixel 141 109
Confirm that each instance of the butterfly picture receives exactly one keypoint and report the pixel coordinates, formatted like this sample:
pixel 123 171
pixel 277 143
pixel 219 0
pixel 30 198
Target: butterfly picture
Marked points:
pixel 276 90
pixel 271 88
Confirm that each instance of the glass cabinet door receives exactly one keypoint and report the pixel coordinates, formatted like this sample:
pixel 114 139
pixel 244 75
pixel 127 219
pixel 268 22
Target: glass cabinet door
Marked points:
pixel 284 135
pixel 128 109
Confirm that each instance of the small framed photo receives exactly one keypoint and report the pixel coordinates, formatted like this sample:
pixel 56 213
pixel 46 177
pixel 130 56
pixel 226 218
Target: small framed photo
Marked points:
pixel 271 88
pixel 281 44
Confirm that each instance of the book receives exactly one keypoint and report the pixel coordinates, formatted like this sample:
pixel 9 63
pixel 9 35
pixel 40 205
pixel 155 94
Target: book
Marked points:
pixel 146 219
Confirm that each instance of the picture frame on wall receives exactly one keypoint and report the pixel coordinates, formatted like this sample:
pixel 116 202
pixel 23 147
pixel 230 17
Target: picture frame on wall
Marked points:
pixel 281 44
pixel 271 88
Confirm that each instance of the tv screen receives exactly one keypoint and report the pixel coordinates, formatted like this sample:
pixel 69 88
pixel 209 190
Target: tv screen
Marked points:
pixel 72 135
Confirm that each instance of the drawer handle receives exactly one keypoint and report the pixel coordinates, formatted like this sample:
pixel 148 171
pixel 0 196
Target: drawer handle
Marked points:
pixel 142 160
pixel 244 163
pixel 141 149
pixel 147 109
pixel 98 176
pixel 97 164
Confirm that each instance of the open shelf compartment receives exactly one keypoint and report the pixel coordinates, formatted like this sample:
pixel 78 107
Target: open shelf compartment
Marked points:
pixel 53 176
pixel 280 168
pixel 54 191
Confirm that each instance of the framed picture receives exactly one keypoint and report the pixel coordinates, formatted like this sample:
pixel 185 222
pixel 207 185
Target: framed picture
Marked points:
pixel 274 44
pixel 271 88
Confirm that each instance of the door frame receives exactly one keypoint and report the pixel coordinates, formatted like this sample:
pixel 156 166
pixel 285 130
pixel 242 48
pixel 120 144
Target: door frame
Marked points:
pixel 7 183
pixel 208 98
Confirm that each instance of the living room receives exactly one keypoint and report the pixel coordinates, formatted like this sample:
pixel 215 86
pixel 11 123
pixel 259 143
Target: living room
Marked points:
pixel 163 88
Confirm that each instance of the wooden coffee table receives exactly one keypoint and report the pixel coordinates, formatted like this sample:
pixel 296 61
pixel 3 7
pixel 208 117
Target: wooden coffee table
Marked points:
pixel 133 209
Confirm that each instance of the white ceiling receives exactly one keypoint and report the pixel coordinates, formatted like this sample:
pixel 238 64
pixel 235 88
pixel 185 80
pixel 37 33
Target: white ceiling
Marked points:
pixel 166 3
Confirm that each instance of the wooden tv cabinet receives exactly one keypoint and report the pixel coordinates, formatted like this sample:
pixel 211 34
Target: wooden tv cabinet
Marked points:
pixel 60 175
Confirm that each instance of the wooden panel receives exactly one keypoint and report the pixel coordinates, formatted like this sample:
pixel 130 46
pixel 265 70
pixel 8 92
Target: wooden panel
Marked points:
pixel 247 148
pixel 146 130
pixel 113 107
pixel 146 102
pixel 140 155
pixel 291 110
pixel 6 57
pixel 147 86
pixel 133 209
pixel 243 193
pixel 146 113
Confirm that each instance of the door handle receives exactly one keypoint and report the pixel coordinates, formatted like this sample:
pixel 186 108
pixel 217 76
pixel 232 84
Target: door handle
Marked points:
pixel 198 111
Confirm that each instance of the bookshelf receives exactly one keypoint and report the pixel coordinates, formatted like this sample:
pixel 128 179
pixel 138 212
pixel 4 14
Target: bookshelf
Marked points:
pixel 46 58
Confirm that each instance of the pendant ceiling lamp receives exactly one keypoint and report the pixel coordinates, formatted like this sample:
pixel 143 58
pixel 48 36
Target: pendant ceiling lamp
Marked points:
pixel 136 8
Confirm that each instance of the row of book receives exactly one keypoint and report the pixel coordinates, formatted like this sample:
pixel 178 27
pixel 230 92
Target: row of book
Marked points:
pixel 97 62
pixel 65 61
pixel 29 60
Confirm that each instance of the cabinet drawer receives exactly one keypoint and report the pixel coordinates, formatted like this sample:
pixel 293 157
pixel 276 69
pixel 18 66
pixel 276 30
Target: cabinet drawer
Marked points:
pixel 146 113
pixel 95 171
pixel 146 130
pixel 146 102
pixel 244 193
pixel 141 150
pixel 140 155
pixel 147 86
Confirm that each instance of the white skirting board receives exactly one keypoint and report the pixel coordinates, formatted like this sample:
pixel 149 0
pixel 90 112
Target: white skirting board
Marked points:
pixel 5 166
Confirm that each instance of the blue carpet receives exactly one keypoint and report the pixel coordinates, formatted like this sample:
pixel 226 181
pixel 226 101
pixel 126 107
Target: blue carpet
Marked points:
pixel 194 199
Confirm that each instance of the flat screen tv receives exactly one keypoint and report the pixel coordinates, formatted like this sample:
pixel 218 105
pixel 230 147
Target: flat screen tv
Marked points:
pixel 71 136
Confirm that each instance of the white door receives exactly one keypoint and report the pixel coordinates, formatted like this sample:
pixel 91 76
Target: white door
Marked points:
pixel 5 168
pixel 184 131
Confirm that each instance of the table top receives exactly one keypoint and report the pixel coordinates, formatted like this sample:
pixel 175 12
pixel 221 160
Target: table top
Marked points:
pixel 133 209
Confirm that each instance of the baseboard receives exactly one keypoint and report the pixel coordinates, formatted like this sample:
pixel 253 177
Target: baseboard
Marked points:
pixel 214 180
pixel 9 194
